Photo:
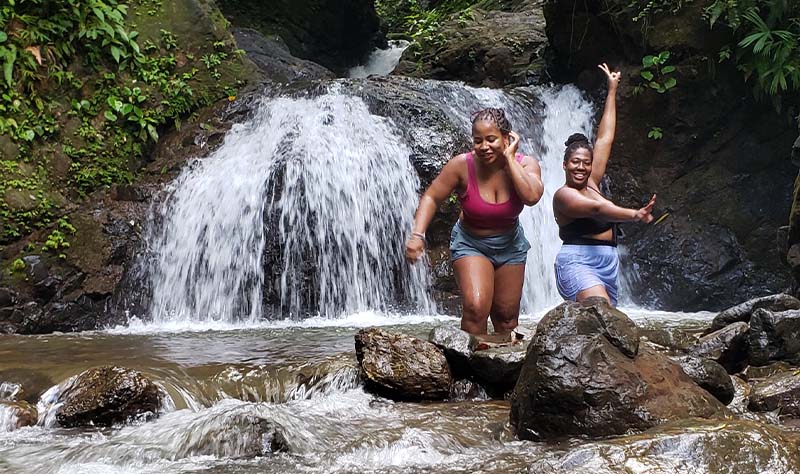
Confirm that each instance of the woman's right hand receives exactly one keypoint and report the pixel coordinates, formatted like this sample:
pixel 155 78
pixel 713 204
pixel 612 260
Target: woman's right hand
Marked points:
pixel 645 214
pixel 415 247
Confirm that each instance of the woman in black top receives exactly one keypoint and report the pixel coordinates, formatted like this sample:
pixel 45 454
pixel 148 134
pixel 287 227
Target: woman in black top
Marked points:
pixel 588 263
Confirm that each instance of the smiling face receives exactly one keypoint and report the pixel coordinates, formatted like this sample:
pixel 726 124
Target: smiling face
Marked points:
pixel 488 141
pixel 578 167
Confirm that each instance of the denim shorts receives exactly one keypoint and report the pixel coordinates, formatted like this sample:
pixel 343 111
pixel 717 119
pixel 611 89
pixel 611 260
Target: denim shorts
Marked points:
pixel 508 248
pixel 579 267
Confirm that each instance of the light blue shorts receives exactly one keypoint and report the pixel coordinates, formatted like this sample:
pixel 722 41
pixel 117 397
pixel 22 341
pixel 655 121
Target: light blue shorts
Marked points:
pixel 579 267
pixel 502 249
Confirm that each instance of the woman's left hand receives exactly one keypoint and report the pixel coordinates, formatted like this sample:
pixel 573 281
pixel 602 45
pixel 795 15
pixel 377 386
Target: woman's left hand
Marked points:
pixel 612 76
pixel 513 144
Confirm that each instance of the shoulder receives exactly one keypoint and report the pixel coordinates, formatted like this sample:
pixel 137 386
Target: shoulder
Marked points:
pixel 530 163
pixel 565 194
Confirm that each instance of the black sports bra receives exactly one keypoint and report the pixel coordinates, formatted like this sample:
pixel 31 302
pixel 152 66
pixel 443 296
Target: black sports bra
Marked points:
pixel 574 232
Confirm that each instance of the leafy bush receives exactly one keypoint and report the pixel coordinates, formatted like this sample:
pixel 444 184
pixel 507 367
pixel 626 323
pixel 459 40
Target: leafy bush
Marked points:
pixel 766 45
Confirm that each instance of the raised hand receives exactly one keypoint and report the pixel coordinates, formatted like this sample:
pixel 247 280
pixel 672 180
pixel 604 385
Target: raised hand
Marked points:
pixel 513 144
pixel 645 214
pixel 613 76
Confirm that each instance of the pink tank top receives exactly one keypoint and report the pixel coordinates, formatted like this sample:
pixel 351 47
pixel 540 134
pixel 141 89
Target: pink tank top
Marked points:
pixel 486 215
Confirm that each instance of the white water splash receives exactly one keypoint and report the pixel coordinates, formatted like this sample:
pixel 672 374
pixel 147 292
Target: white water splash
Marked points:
pixel 347 194
pixel 382 61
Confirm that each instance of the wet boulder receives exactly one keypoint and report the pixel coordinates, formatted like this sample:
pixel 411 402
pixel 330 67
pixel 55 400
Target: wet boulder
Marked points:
pixel 585 375
pixel 671 338
pixel 273 58
pixel 497 368
pixel 753 372
pixel 742 312
pixel 103 396
pixel 457 346
pixel 778 392
pixel 402 367
pixel 690 446
pixel 15 415
pixel 709 375
pixel 23 384
pixel 728 346
pixel 774 336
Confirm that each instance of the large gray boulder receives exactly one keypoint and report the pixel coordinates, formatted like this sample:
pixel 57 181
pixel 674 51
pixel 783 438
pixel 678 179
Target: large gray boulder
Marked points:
pixel 743 312
pixel 103 396
pixel 273 58
pixel 585 375
pixel 774 336
pixel 402 367
pixel 497 368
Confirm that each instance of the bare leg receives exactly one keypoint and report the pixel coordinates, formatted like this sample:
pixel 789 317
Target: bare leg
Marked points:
pixel 508 281
pixel 597 290
pixel 475 277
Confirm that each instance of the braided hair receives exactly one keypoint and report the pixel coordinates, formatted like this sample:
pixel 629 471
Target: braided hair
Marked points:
pixel 575 142
pixel 496 115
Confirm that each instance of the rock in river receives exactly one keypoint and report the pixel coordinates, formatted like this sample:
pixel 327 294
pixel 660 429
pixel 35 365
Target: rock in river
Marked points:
pixel 402 367
pixel 709 375
pixel 728 346
pixel 774 336
pixel 584 375
pixel 742 312
pixel 103 396
pixel 778 392
pixel 15 415
pixel 691 446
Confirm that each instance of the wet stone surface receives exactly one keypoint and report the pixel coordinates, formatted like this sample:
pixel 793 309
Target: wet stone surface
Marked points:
pixel 742 312
pixel 779 392
pixel 774 336
pixel 728 346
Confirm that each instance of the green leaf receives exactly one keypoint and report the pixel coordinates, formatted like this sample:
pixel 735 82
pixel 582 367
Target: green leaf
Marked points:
pixel 647 75
pixel 126 109
pixel 3 36
pixel 648 61
pixel 8 66
pixel 116 52
pixel 667 69
pixel 99 14
pixel 110 116
pixel 670 83
pixel 28 135
pixel 151 130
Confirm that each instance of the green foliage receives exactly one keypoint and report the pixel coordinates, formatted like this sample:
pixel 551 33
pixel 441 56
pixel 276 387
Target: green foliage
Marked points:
pixel 17 265
pixel 766 46
pixel 76 83
pixel 57 242
pixel 655 133
pixel 656 73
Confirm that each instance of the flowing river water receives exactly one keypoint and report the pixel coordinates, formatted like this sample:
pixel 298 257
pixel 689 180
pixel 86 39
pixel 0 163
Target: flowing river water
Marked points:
pixel 240 374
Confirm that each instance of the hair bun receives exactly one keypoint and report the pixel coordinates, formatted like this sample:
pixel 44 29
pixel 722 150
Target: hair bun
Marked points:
pixel 576 138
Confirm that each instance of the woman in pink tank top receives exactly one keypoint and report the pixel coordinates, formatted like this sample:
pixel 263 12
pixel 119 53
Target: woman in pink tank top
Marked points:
pixel 487 245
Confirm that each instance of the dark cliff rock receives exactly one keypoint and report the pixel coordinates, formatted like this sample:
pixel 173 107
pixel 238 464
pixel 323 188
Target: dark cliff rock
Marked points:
pixel 337 34
pixel 723 178
pixel 483 48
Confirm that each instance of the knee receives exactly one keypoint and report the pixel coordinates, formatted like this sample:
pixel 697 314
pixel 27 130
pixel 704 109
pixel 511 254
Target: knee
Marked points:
pixel 505 311
pixel 474 308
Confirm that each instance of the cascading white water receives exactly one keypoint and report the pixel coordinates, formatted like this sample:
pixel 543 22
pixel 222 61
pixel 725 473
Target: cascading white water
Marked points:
pixel 344 191
pixel 320 193
pixel 381 61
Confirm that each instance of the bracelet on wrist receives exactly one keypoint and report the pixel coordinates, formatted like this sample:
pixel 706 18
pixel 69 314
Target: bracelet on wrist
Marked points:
pixel 418 235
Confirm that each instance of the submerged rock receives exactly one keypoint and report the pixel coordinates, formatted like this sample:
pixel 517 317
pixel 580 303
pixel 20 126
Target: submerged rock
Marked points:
pixel 743 312
pixel 402 367
pixel 728 346
pixel 104 396
pixel 15 415
pixel 578 381
pixel 778 392
pixel 709 375
pixel 774 336
pixel 690 446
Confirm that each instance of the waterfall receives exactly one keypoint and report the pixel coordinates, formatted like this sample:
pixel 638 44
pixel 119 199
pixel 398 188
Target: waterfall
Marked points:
pixel 381 61
pixel 343 191
pixel 304 209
